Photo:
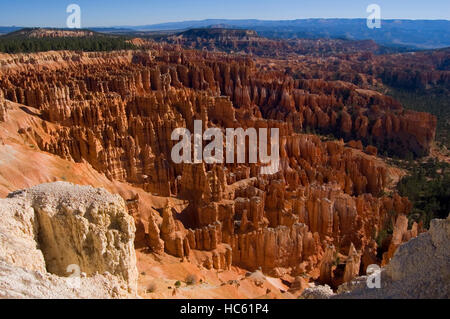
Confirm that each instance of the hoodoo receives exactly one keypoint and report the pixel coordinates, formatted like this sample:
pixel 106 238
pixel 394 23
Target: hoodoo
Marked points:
pixel 221 163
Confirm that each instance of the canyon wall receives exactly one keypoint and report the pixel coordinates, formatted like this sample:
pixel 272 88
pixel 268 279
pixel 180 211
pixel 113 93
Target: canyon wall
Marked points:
pixel 324 207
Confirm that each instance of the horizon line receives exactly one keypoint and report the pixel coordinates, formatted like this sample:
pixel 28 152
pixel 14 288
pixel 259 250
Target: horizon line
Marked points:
pixel 228 19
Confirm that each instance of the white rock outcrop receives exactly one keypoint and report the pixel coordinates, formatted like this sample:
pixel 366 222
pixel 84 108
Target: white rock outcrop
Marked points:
pixel 17 282
pixel 419 269
pixel 317 292
pixel 58 230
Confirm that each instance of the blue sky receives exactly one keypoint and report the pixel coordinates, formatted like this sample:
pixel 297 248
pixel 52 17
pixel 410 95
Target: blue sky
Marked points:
pixel 139 12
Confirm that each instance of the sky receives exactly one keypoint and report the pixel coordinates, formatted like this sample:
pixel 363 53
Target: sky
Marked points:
pixel 52 13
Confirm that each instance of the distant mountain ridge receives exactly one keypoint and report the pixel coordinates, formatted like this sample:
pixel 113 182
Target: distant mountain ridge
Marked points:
pixel 48 39
pixel 250 42
pixel 415 34
pixel 211 33
pixel 4 30
pixel 37 33
pixel 420 34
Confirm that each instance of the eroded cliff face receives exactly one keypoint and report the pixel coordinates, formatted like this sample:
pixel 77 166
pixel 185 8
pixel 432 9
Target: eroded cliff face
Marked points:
pixel 61 230
pixel 3 108
pixel 116 111
pixel 249 42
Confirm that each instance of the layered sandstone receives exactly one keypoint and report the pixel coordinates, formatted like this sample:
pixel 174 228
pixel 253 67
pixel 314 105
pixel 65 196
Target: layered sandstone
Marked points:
pixel 58 230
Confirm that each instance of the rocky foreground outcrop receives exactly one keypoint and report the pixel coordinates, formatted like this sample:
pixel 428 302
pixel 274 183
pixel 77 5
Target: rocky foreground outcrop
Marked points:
pixel 420 268
pixel 59 230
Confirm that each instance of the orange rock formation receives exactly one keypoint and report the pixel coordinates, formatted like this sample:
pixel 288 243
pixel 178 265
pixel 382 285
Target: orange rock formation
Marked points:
pixel 116 112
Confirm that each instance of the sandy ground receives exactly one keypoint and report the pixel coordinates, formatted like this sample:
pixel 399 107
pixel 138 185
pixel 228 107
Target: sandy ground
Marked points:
pixel 159 275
